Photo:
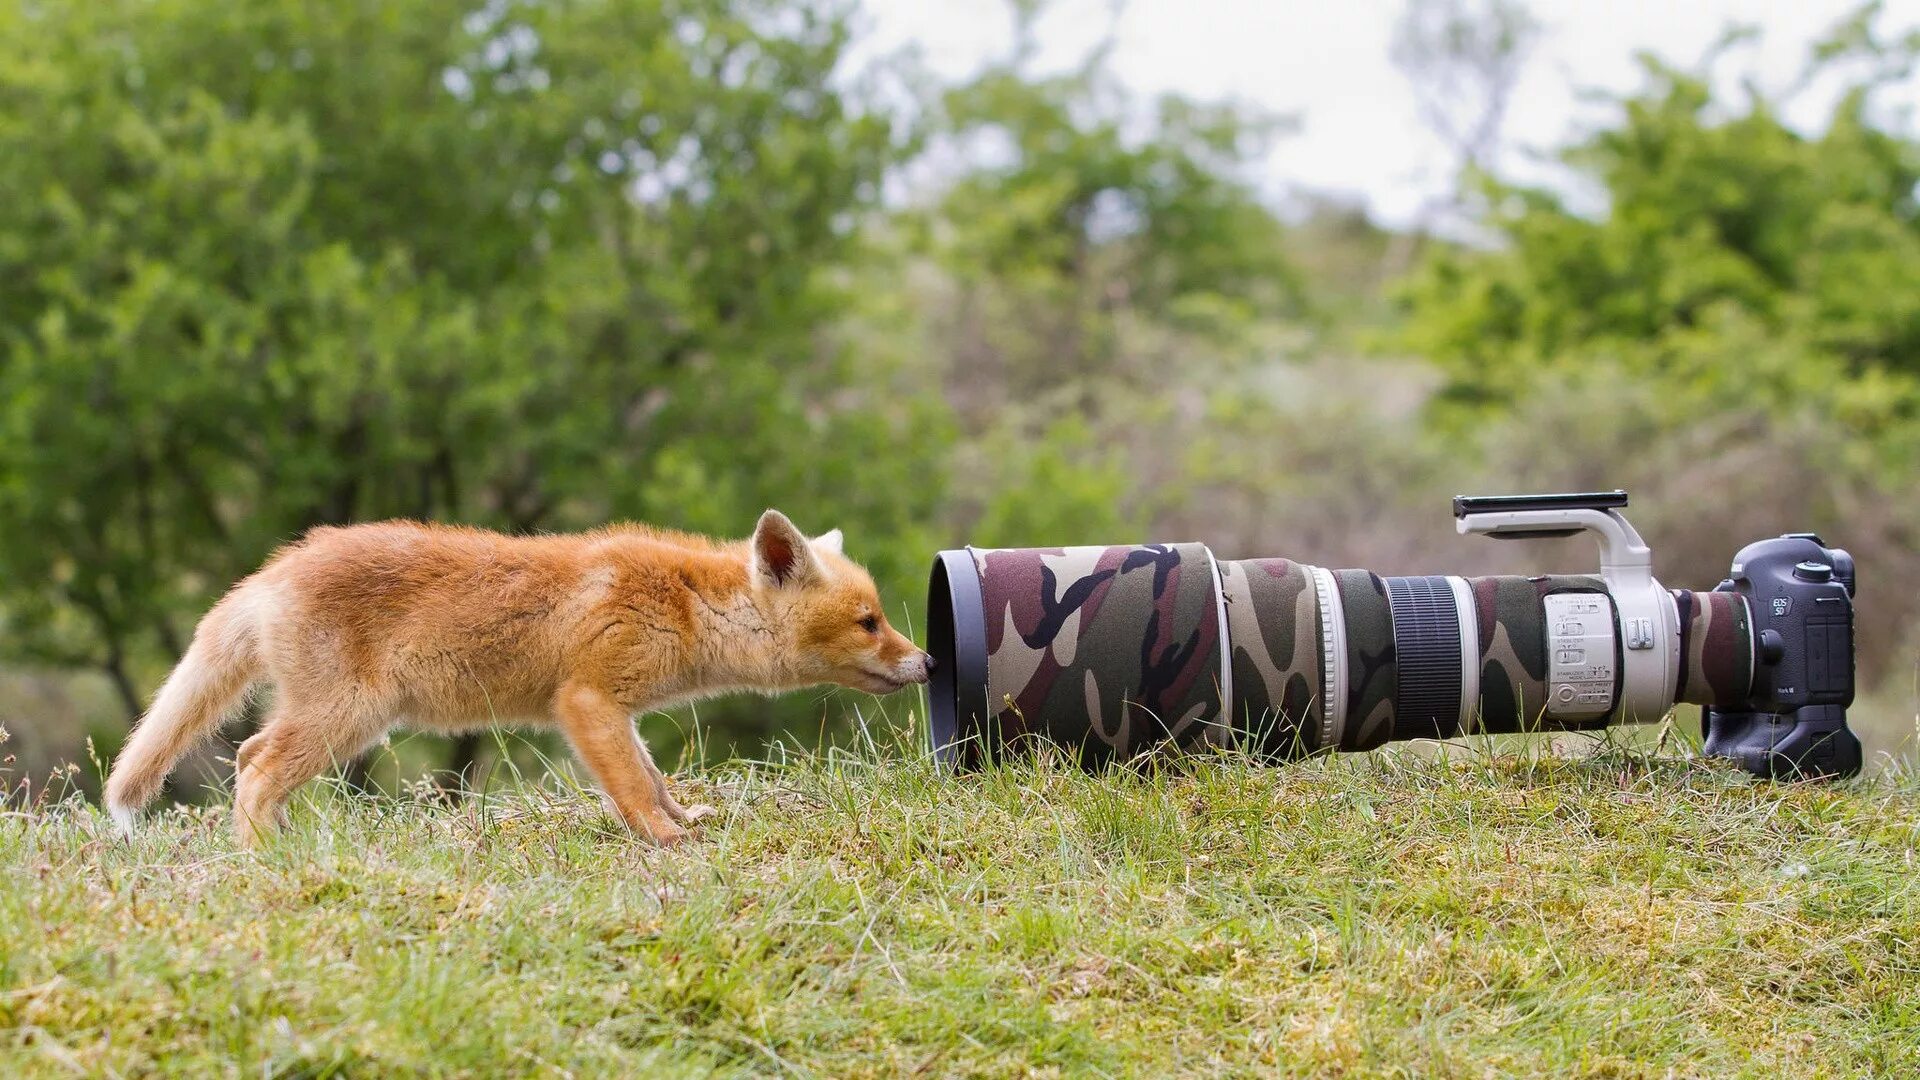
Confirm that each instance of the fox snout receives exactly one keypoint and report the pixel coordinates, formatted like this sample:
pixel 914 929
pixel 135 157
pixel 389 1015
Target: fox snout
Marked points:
pixel 917 668
pixel 903 664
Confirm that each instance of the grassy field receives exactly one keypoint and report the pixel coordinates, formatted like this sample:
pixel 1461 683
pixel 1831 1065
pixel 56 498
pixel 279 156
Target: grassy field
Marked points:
pixel 858 913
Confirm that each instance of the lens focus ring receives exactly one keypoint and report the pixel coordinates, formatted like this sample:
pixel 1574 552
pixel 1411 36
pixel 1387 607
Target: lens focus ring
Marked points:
pixel 1426 640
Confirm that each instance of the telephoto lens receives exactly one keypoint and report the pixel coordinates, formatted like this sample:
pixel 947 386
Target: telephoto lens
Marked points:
pixel 1108 652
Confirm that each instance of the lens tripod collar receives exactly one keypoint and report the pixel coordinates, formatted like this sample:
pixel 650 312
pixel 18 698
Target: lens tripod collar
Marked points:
pixel 1649 622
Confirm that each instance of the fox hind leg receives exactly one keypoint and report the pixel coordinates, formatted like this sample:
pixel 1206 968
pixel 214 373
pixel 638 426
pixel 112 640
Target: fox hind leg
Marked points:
pixel 301 739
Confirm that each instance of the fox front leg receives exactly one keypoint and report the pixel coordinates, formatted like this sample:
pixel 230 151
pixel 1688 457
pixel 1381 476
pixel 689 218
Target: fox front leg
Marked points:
pixel 601 733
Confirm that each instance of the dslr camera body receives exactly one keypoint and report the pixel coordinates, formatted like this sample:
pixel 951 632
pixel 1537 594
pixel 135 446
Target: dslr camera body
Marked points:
pixel 1794 720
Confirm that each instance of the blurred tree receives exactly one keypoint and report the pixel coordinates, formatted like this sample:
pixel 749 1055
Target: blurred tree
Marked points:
pixel 1089 243
pixel 266 264
pixel 1462 59
pixel 1081 210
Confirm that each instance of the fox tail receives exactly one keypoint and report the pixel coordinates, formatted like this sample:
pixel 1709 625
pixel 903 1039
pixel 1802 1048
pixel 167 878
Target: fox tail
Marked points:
pixel 219 667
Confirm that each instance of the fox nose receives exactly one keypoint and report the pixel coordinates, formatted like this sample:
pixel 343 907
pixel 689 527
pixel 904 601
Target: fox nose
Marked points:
pixel 925 671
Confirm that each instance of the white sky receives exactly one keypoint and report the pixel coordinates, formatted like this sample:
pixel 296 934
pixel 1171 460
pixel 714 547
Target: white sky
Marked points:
pixel 1328 63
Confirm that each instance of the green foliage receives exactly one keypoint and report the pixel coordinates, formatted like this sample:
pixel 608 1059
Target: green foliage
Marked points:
pixel 1725 230
pixel 1065 487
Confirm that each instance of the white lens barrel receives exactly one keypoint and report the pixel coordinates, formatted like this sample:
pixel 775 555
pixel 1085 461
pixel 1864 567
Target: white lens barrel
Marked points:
pixel 1469 654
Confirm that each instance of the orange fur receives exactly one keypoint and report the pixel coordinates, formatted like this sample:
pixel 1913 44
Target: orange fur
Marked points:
pixel 367 627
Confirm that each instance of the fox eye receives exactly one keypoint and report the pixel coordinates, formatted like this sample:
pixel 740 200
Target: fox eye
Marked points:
pixel 871 624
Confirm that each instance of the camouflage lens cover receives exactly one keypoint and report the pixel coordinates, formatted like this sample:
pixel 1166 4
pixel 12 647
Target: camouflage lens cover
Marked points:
pixel 1511 623
pixel 1104 650
pixel 1111 651
pixel 1273 625
pixel 1373 673
pixel 1716 648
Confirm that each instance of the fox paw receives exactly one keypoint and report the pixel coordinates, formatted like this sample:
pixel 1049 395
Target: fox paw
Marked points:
pixel 667 836
pixel 699 813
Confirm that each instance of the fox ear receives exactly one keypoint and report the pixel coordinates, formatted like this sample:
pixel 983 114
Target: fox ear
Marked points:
pixel 781 555
pixel 832 540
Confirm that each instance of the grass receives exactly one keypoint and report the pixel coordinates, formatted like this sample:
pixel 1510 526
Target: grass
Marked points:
pixel 861 914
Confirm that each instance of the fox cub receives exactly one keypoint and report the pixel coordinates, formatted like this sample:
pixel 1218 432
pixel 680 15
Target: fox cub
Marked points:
pixel 363 628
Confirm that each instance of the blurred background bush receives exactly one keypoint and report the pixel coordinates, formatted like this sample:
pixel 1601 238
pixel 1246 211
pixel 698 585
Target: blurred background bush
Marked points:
pixel 539 264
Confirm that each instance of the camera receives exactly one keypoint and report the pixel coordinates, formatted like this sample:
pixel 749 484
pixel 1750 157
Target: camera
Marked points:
pixel 1110 651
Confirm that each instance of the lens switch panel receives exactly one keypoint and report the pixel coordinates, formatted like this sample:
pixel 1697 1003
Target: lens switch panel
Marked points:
pixel 1580 655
